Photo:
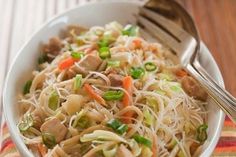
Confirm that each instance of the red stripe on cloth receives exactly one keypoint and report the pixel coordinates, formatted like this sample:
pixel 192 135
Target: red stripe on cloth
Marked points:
pixel 229 123
pixel 9 146
pixel 226 149
pixel 5 144
pixel 226 143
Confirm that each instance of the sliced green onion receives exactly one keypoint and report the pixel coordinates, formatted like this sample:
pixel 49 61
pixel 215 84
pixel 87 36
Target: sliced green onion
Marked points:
pixel 130 30
pixel 149 66
pixel 53 101
pixel 49 140
pixel 143 140
pixel 137 72
pixel 78 82
pixel 27 122
pixel 176 88
pixel 122 129
pixel 104 52
pixel 23 126
pixel 113 64
pixel 27 87
pixel 77 55
pixel 104 42
pixel 202 133
pixel 148 118
pixel 113 95
pixel 42 59
pixel 114 124
pixel 83 122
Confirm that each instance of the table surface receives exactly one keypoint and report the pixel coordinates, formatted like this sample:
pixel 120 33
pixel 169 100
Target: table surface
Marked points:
pixel 215 19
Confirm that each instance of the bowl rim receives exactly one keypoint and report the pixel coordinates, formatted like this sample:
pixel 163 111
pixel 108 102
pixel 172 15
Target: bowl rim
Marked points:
pixel 21 147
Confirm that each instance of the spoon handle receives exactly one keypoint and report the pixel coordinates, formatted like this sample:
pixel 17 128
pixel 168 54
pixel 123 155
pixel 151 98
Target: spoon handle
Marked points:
pixel 224 99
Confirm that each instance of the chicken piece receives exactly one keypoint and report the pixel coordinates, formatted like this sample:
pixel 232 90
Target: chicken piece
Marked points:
pixel 116 80
pixel 54 127
pixel 53 47
pixel 73 104
pixel 192 88
pixel 88 63
pixel 123 151
pixel 38 117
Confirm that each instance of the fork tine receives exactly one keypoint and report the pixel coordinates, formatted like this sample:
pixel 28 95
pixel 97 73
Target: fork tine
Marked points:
pixel 159 33
pixel 170 26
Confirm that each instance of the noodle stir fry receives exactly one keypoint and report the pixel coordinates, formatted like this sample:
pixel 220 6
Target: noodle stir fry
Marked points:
pixel 107 92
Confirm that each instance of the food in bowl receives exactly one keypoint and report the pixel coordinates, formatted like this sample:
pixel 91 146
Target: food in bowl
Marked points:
pixel 106 91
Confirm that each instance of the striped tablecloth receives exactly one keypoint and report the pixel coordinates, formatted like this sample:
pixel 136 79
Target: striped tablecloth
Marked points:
pixel 19 18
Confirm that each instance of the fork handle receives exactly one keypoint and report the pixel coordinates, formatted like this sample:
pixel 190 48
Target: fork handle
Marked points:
pixel 224 99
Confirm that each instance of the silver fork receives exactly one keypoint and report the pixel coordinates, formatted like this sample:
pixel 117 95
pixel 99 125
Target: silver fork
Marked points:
pixel 185 47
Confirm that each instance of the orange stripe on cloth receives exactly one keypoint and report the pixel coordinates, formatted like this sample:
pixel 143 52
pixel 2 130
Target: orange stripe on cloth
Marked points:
pixel 225 149
pixel 230 124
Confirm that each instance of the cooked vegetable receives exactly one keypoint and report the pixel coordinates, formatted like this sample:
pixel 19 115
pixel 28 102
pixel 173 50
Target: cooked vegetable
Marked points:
pixel 77 55
pixel 104 42
pixel 117 126
pixel 104 52
pixel 149 66
pixel 148 118
pixel 143 140
pixel 53 101
pixel 110 152
pixel 94 95
pixel 113 64
pixel 202 133
pixel 113 95
pixel 27 122
pixel 130 30
pixel 136 73
pixel 102 135
pixel 78 82
pixel 67 63
pixel 27 87
pixel 49 140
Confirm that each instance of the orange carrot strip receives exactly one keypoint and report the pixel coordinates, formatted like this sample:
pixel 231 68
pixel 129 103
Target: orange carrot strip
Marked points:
pixel 68 62
pixel 181 73
pixel 137 43
pixel 127 85
pixel 94 95
pixel 154 146
pixel 42 150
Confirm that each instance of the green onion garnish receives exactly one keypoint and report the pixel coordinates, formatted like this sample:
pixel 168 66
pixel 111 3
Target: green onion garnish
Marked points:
pixel 53 101
pixel 27 87
pixel 117 126
pixel 149 66
pixel 103 42
pixel 113 64
pixel 114 124
pixel 113 95
pixel 130 30
pixel 42 59
pixel 77 55
pixel 78 82
pixel 201 133
pixel 104 52
pixel 49 140
pixel 137 72
pixel 122 129
pixel 26 123
pixel 143 140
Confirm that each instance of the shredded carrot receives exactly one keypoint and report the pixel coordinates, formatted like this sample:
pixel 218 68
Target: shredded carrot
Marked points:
pixel 137 43
pixel 94 95
pixel 65 64
pixel 181 73
pixel 127 85
pixel 42 150
pixel 154 145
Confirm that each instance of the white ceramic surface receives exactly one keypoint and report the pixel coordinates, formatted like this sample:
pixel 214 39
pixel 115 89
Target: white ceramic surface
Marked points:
pixel 89 15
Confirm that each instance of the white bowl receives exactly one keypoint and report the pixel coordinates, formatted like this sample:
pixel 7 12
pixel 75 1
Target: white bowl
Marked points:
pixel 90 15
